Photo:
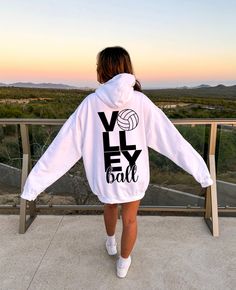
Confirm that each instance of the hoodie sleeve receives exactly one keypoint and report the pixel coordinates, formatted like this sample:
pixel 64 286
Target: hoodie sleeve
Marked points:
pixel 163 137
pixel 60 156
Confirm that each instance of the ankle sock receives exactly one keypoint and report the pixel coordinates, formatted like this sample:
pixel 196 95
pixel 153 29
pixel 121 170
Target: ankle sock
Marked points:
pixel 124 261
pixel 111 240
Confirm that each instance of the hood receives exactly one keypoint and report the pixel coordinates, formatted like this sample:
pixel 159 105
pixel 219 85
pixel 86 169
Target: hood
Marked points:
pixel 117 91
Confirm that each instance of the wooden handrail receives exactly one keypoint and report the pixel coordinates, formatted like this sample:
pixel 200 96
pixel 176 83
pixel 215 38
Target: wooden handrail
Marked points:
pixel 187 121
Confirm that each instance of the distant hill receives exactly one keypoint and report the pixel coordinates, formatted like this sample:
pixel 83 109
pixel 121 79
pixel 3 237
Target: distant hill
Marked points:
pixel 231 90
pixel 197 87
pixel 221 86
pixel 202 86
pixel 203 91
pixel 39 85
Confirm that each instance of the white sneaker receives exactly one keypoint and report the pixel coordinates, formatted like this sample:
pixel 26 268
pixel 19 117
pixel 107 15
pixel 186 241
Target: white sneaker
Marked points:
pixel 111 248
pixel 122 268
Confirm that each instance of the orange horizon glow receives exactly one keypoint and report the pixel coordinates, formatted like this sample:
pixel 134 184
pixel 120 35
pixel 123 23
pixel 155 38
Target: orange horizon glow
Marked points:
pixel 168 43
pixel 81 71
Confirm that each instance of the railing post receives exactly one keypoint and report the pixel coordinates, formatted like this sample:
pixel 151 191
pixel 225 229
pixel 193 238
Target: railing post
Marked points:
pixel 211 205
pixel 26 167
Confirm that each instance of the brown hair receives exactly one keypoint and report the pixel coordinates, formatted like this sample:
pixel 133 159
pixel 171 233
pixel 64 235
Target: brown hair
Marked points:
pixel 112 61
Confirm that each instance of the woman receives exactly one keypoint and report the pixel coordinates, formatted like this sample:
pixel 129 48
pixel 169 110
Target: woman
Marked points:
pixel 112 129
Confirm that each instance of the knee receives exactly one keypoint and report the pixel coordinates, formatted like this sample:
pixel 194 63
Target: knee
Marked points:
pixel 129 221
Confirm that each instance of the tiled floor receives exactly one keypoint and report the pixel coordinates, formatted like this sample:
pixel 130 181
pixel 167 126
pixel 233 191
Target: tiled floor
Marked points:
pixel 67 252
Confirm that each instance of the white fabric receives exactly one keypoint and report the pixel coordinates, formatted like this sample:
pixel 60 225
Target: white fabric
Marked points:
pixel 127 124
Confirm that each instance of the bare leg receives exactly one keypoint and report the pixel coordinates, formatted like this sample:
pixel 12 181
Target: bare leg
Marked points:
pixel 129 233
pixel 110 218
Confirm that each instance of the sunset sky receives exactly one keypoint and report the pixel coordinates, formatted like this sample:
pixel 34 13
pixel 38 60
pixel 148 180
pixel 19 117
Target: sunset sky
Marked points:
pixel 171 42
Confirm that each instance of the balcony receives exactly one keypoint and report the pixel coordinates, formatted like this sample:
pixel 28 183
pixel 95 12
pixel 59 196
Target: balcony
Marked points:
pixel 171 190
pixel 67 252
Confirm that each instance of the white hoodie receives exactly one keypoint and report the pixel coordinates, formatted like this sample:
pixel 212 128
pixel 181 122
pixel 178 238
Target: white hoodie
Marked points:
pixel 112 130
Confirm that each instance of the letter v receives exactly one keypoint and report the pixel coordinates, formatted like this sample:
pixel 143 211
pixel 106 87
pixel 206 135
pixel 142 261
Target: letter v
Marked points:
pixel 108 127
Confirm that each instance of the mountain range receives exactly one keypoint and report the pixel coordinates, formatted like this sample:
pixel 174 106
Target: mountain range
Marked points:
pixel 69 87
pixel 42 86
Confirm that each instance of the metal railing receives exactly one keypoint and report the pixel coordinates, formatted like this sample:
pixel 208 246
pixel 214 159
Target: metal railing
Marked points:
pixel 210 209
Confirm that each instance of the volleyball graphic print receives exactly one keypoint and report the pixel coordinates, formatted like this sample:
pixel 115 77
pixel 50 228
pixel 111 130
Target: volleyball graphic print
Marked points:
pixel 119 155
pixel 127 119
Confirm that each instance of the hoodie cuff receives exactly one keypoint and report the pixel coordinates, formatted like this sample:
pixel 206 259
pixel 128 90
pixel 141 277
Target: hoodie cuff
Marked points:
pixel 28 197
pixel 207 182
